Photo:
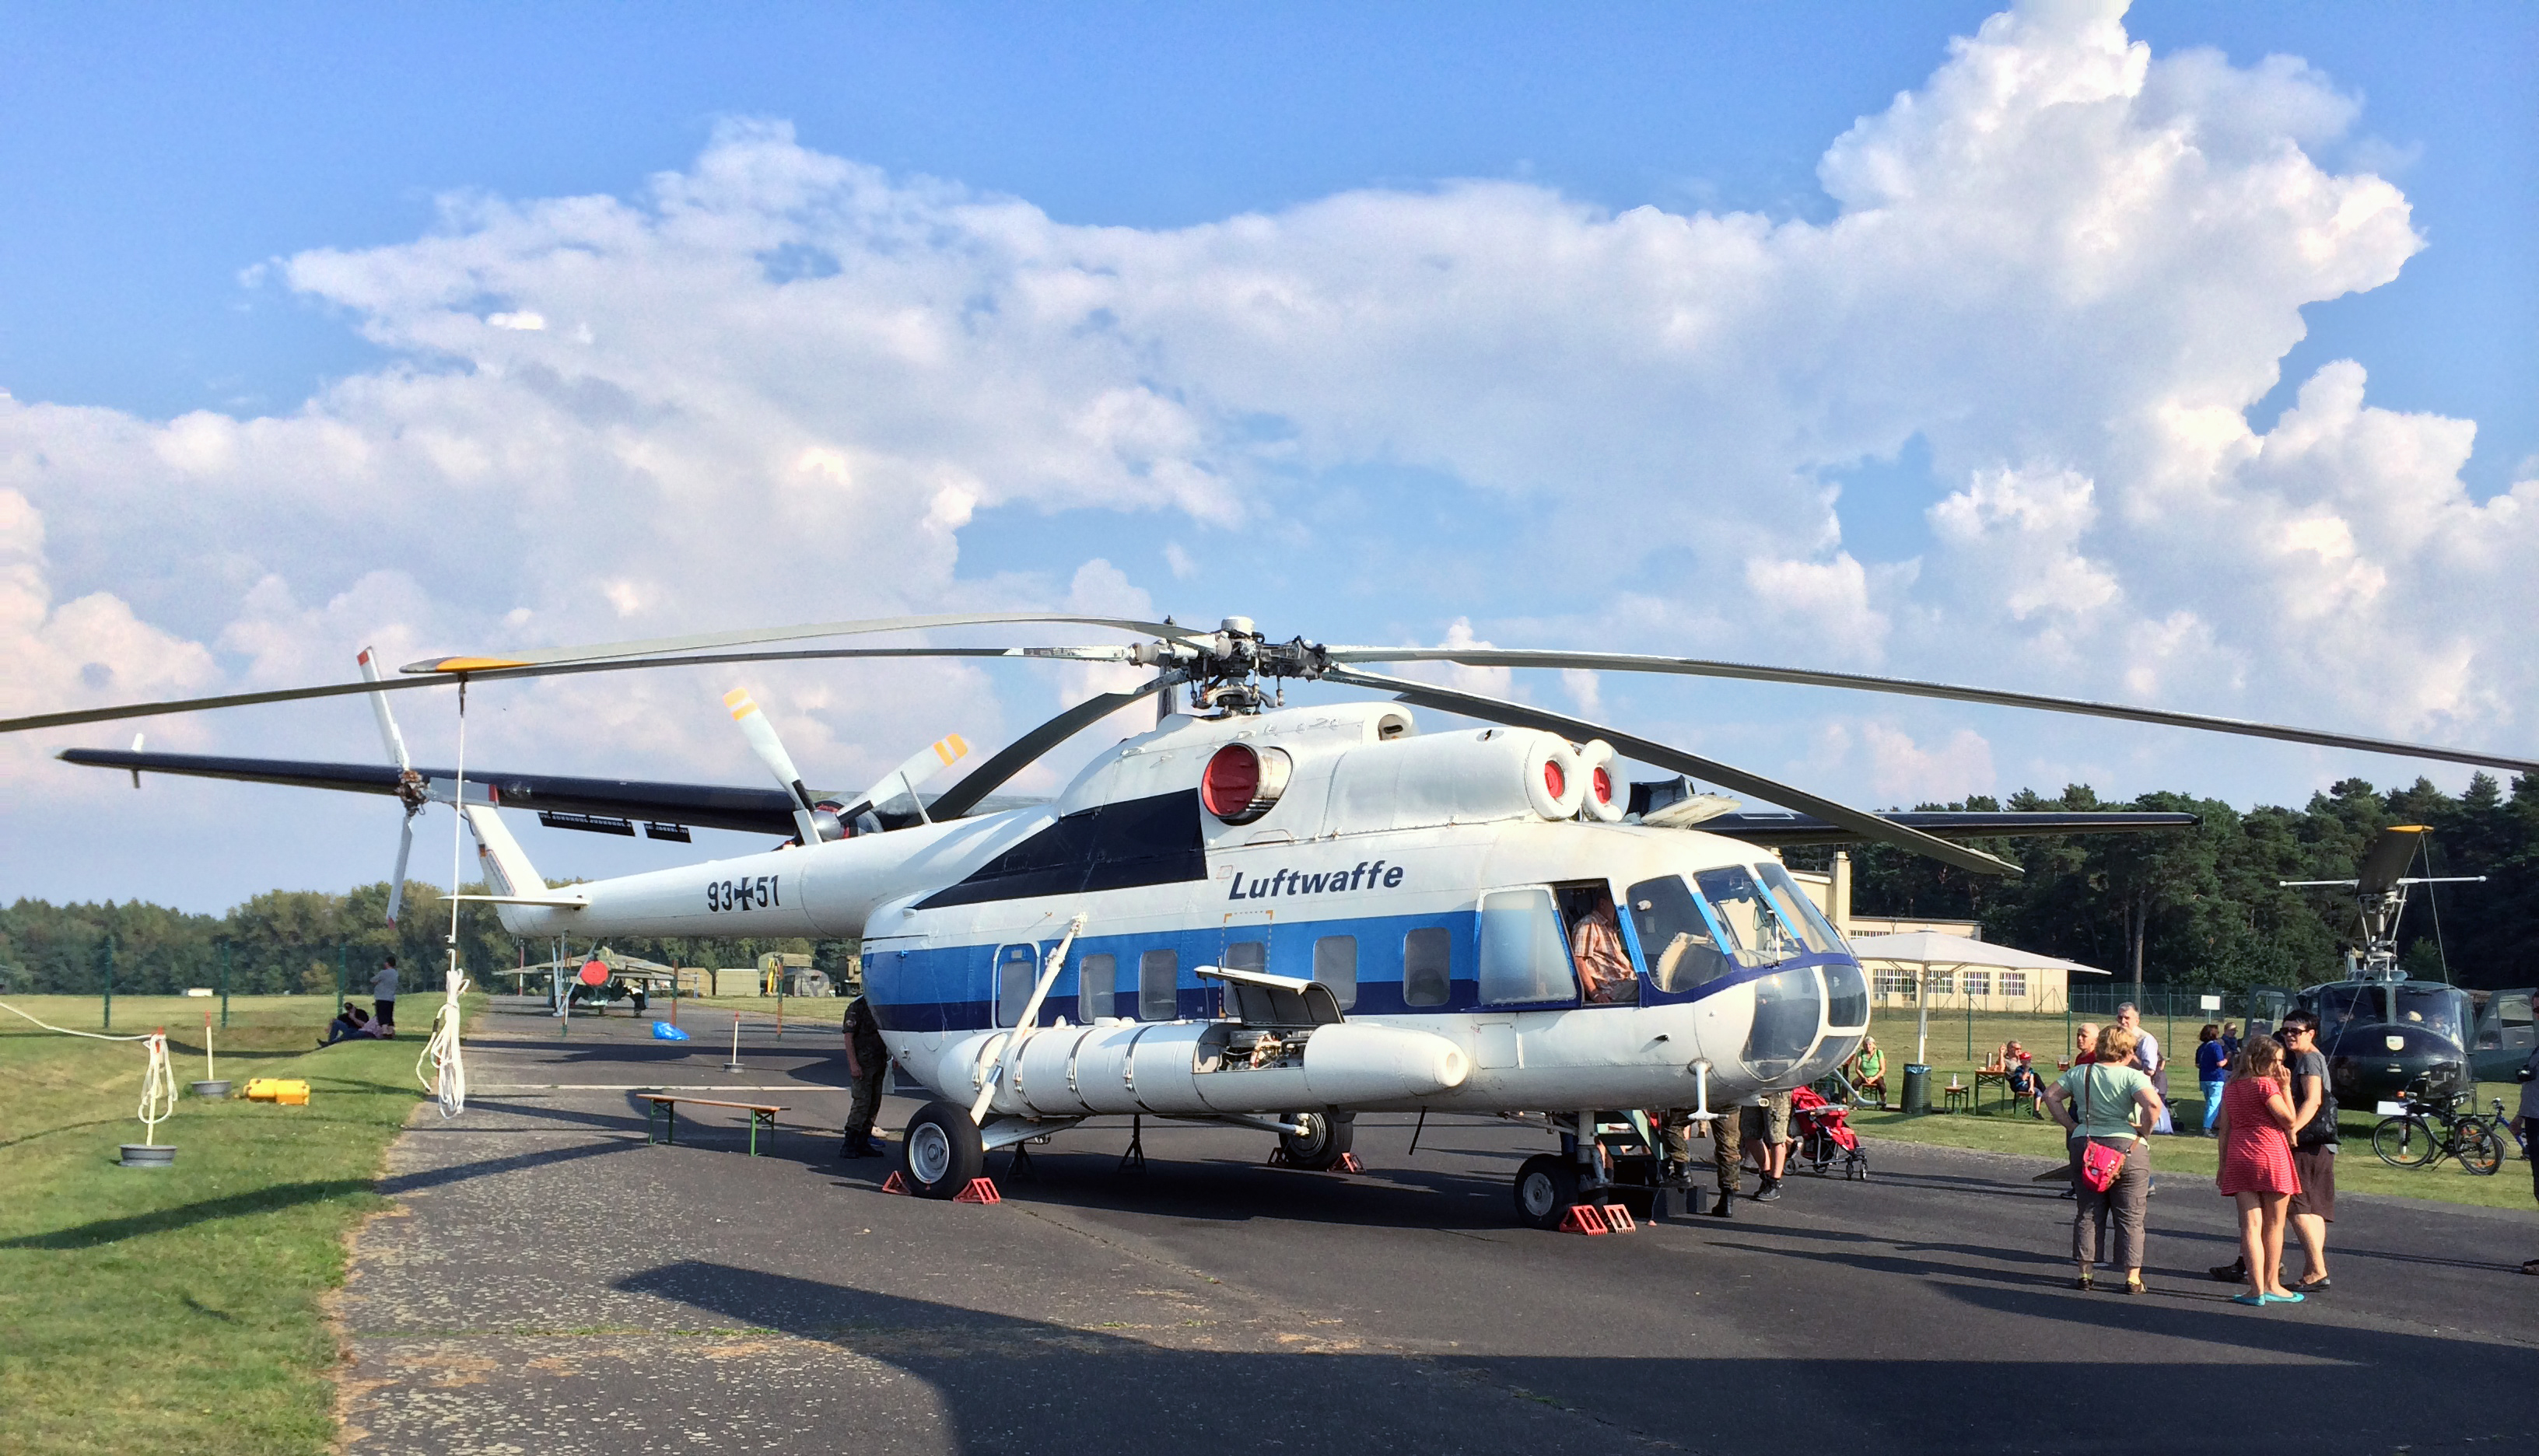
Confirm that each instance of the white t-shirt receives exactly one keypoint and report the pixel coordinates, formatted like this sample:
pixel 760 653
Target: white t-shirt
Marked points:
pixel 384 986
pixel 2147 1054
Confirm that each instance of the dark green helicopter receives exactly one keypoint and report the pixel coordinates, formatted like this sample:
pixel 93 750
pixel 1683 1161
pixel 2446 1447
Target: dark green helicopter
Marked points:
pixel 2385 1033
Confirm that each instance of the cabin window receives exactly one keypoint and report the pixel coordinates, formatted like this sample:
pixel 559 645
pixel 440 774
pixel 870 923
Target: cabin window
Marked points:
pixel 1096 979
pixel 1018 970
pixel 1335 966
pixel 1247 955
pixel 1846 995
pixel 1159 978
pixel 1522 957
pixel 1681 952
pixel 1427 964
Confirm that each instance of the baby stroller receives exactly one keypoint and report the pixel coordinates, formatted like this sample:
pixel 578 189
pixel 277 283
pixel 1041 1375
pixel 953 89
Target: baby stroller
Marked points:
pixel 1825 1135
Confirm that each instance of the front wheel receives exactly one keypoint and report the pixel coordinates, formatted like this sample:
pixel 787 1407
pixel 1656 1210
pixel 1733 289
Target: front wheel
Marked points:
pixel 1545 1186
pixel 2404 1143
pixel 940 1153
pixel 1324 1142
pixel 2478 1149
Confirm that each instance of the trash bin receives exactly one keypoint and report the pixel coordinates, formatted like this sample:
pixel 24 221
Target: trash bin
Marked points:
pixel 1917 1088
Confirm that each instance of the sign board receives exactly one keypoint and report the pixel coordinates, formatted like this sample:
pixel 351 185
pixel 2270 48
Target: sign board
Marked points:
pixel 2212 1003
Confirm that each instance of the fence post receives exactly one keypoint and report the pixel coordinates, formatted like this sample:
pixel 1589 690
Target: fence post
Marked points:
pixel 225 985
pixel 343 977
pixel 110 983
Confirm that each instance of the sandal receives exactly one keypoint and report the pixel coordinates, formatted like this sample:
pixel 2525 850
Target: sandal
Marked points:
pixel 2530 1266
pixel 2312 1287
pixel 2085 1283
pixel 2134 1287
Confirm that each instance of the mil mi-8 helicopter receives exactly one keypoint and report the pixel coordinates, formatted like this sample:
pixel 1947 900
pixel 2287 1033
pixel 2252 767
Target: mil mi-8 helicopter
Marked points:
pixel 1268 916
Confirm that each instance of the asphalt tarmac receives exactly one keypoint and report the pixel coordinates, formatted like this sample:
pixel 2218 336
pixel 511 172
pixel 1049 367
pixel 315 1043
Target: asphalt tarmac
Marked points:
pixel 550 1283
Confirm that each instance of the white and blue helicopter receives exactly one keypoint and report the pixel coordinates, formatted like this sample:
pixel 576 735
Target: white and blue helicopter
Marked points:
pixel 1264 915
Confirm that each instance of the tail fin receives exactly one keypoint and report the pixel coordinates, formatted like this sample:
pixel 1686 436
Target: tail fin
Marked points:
pixel 512 882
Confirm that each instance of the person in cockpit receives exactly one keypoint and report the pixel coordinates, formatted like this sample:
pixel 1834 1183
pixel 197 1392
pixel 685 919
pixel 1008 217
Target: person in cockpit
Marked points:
pixel 1596 945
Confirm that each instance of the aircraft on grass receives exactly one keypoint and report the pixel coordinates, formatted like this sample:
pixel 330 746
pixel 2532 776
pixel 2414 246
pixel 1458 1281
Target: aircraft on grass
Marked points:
pixel 1268 916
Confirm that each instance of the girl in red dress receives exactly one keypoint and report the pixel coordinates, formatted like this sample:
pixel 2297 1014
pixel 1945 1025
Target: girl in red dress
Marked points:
pixel 2257 1164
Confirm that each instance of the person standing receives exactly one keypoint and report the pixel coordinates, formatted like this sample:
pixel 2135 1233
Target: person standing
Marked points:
pixel 2106 1102
pixel 867 1061
pixel 2149 1061
pixel 2084 1049
pixel 2213 1070
pixel 2256 1170
pixel 1728 1158
pixel 2314 1145
pixel 384 991
pixel 2528 1076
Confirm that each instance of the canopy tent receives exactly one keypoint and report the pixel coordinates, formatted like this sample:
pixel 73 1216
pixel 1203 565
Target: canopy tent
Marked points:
pixel 1929 950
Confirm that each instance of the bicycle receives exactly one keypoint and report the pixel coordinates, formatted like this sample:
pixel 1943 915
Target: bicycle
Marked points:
pixel 2429 1132
pixel 2505 1130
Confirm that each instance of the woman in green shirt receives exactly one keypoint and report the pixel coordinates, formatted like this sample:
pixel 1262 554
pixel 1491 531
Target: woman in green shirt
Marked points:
pixel 2105 1101
pixel 1869 1070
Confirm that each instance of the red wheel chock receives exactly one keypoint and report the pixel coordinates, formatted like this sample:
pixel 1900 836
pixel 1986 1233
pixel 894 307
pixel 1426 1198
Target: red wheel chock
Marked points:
pixel 1349 1163
pixel 1617 1219
pixel 892 1184
pixel 980 1190
pixel 1583 1218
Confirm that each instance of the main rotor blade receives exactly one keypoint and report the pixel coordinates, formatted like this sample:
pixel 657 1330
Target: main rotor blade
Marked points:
pixel 389 739
pixel 1019 756
pixel 557 669
pixel 1910 687
pixel 396 881
pixel 748 635
pixel 921 766
pixel 1578 730
pixel 769 749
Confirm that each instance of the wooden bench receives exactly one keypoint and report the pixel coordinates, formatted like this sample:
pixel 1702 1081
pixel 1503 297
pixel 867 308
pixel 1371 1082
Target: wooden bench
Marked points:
pixel 661 1117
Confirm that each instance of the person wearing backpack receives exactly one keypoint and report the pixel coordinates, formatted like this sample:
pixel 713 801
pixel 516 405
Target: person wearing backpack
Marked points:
pixel 2102 1104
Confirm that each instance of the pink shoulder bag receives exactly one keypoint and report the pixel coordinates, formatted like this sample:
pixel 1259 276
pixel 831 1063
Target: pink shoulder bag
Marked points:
pixel 2099 1163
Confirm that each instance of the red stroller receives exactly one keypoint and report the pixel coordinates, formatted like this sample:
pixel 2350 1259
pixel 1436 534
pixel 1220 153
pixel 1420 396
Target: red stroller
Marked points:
pixel 1825 1135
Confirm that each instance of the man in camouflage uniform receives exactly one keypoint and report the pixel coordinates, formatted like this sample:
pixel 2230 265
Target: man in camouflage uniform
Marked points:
pixel 867 1064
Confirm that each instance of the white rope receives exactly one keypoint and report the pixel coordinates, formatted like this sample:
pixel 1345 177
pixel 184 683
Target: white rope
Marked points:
pixel 157 1090
pixel 448 1080
pixel 66 1031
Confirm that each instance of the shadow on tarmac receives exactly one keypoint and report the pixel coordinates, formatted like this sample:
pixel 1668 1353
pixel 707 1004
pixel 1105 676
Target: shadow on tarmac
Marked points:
pixel 1003 1382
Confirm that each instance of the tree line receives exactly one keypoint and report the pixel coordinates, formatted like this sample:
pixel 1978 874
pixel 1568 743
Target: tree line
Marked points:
pixel 301 941
pixel 2201 907
pixel 2206 907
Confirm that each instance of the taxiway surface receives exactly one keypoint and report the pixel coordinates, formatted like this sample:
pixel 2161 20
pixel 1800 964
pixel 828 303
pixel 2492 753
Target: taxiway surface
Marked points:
pixel 551 1284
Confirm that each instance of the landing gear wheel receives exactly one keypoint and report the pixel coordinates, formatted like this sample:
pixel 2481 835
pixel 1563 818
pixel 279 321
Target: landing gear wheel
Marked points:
pixel 940 1153
pixel 1545 1186
pixel 1325 1141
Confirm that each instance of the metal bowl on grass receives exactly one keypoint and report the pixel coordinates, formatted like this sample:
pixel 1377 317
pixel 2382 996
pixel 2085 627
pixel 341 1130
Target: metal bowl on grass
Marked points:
pixel 220 1088
pixel 148 1156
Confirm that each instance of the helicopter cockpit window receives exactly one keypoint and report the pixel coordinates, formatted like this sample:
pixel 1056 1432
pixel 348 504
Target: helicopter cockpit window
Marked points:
pixel 1681 952
pixel 1757 932
pixel 2340 1007
pixel 2433 1011
pixel 1797 909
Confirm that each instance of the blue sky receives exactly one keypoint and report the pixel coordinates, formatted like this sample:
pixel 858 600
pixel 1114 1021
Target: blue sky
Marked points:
pixel 238 211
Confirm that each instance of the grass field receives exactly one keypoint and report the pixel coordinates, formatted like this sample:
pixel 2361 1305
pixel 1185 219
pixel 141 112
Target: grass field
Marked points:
pixel 182 1309
pixel 2187 1157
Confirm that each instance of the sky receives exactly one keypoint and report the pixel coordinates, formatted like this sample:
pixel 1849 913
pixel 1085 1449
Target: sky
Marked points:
pixel 2186 355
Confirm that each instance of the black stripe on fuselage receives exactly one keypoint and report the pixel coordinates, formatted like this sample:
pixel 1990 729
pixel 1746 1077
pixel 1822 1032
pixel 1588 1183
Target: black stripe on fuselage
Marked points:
pixel 1111 847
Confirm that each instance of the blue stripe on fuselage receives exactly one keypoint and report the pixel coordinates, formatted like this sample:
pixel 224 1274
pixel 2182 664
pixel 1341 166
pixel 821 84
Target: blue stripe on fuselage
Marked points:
pixel 952 987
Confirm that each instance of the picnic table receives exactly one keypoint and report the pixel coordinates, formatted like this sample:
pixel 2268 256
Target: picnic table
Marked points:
pixel 661 1117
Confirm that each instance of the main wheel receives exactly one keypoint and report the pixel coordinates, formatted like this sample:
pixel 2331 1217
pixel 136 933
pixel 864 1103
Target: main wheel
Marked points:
pixel 1324 1142
pixel 2404 1143
pixel 2478 1149
pixel 940 1153
pixel 1545 1186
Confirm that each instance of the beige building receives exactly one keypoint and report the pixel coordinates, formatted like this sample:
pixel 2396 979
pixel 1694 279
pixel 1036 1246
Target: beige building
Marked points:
pixel 1961 973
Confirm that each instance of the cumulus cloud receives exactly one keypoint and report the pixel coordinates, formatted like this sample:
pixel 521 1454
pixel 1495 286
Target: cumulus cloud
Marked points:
pixel 781 385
